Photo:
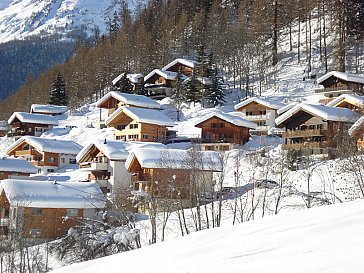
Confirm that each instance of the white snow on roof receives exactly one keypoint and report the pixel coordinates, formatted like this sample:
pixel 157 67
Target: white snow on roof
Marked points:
pixel 184 62
pixel 142 115
pixel 203 80
pixel 169 75
pixel 50 194
pixel 48 109
pixel 233 119
pixel 130 99
pixel 357 127
pixel 33 118
pixel 322 111
pixel 266 102
pixel 341 75
pixel 353 99
pixel 283 109
pixel 8 164
pixel 50 145
pixel 116 150
pixel 134 78
pixel 175 159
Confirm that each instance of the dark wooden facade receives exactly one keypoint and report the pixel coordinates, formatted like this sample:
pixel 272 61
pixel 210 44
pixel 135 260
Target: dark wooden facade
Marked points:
pixel 219 130
pixel 18 128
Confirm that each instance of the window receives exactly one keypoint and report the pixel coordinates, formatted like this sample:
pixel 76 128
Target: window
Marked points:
pixel 51 159
pixel 133 126
pixel 217 125
pixel 63 160
pixel 72 161
pixel 35 232
pixel 50 170
pixel 120 127
pixel 26 147
pixel 37 211
pixel 249 113
pixel 133 137
pixel 38 129
pixel 29 130
pixel 72 212
pixel 145 136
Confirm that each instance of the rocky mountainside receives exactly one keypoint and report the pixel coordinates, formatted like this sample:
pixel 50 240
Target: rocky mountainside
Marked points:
pixel 24 18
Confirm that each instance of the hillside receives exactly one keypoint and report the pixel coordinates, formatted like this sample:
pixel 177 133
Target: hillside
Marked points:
pixel 24 19
pixel 325 239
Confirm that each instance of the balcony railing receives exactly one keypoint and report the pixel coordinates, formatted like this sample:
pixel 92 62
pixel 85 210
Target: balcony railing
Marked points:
pixel 306 145
pixel 4 222
pixel 26 152
pixel 303 133
pixel 255 117
pixel 216 140
pixel 338 89
pixel 140 178
pixel 94 166
pixel 16 133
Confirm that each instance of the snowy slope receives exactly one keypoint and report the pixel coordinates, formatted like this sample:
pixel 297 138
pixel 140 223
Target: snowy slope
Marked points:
pixel 24 18
pixel 325 239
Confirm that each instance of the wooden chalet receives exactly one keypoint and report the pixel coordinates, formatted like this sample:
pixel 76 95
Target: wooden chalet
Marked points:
pixel 104 160
pixel 46 209
pixel 139 124
pixel 52 110
pixel 336 83
pixel 48 155
pixel 315 129
pixel 114 100
pixel 160 83
pixel 15 168
pixel 350 101
pixel 173 174
pixel 220 131
pixel 357 133
pixel 136 81
pixel 260 111
pixel 27 124
pixel 183 66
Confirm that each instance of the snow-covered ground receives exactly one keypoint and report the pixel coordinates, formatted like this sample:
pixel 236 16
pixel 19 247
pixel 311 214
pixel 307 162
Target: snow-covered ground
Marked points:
pixel 324 239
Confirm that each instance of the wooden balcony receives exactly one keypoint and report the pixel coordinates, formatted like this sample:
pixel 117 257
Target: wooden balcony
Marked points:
pixel 140 178
pixel 94 166
pixel 255 117
pixel 38 163
pixel 303 133
pixel 335 90
pixel 306 145
pixel 27 152
pixel 216 140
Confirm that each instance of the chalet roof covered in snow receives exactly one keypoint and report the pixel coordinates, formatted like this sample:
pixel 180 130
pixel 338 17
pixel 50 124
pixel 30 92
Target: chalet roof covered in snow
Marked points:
pixel 203 80
pixel 52 194
pixel 343 76
pixel 33 118
pixel 266 102
pixel 142 115
pixel 115 150
pixel 233 119
pixel 48 109
pixel 134 78
pixel 175 159
pixel 357 129
pixel 130 99
pixel 50 145
pixel 168 75
pixel 321 111
pixel 283 109
pixel 352 99
pixel 184 62
pixel 8 164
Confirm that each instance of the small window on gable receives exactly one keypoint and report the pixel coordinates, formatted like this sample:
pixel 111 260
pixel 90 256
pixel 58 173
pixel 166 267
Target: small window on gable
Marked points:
pixel 37 211
pixel 72 212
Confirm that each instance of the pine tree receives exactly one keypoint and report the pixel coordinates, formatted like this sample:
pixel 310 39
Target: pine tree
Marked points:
pixel 177 95
pixel 192 91
pixel 58 92
pixel 215 94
